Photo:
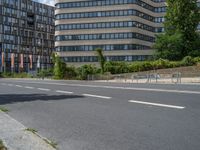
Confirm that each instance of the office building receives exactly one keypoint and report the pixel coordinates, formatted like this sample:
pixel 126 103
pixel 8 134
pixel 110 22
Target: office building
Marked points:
pixel 124 29
pixel 26 35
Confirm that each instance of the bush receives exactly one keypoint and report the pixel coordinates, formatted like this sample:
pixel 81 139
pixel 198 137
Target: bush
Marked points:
pixel 116 67
pixel 59 68
pixel 86 70
pixel 70 72
pixel 187 61
pixel 21 75
pixel 160 64
pixel 196 60
pixel 15 75
pixel 45 73
pixel 136 67
pixel 173 64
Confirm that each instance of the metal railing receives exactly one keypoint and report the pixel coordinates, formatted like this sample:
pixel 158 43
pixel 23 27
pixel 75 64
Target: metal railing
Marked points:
pixel 149 77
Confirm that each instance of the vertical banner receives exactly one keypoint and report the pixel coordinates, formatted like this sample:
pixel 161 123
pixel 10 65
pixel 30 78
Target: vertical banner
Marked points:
pixel 12 60
pixel 2 59
pixel 38 62
pixel 21 61
pixel 31 61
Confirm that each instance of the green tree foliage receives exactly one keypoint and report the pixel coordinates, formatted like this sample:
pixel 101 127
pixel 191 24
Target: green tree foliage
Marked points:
pixel 59 68
pixel 101 59
pixel 70 72
pixel 180 38
pixel 116 67
pixel 169 46
pixel 86 70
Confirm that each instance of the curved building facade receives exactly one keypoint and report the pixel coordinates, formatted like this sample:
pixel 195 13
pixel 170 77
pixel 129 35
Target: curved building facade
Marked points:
pixel 124 29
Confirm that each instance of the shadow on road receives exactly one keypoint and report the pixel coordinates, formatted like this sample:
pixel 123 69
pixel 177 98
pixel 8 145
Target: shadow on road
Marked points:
pixel 14 98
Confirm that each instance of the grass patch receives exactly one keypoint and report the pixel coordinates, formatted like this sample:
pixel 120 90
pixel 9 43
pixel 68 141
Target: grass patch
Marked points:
pixel 52 143
pixel 3 109
pixel 31 130
pixel 2 146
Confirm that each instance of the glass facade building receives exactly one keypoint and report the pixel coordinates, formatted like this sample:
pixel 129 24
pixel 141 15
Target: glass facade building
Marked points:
pixel 26 35
pixel 124 29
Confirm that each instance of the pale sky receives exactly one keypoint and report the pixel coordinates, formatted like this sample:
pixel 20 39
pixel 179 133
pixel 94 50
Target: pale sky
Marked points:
pixel 48 2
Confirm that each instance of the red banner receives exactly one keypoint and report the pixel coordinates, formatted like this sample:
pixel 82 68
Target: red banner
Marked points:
pixel 2 58
pixel 21 61
pixel 12 60
pixel 31 61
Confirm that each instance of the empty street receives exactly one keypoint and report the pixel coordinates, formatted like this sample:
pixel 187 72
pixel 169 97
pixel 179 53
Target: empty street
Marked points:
pixel 80 115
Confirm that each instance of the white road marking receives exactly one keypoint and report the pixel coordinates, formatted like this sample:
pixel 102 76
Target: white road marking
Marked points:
pixel 122 88
pixel 18 86
pixel 29 87
pixel 156 104
pixel 65 92
pixel 42 89
pixel 97 96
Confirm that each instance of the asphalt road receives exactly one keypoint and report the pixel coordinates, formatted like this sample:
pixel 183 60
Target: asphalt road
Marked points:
pixel 107 116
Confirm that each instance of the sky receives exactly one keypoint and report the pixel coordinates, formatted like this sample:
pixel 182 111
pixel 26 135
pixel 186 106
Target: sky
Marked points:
pixel 48 2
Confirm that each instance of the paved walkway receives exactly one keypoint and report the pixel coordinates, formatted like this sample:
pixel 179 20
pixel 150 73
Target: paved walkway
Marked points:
pixel 161 81
pixel 15 137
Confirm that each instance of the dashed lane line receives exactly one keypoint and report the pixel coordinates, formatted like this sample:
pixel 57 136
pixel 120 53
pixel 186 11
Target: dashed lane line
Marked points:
pixel 156 104
pixel 29 87
pixel 64 92
pixel 42 89
pixel 97 96
pixel 18 86
pixel 119 87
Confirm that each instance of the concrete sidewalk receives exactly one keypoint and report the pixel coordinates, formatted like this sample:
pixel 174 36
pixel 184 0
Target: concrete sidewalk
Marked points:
pixel 15 136
pixel 154 81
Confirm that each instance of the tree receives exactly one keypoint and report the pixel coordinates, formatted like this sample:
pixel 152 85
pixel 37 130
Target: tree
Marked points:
pixel 168 46
pixel 59 68
pixel 181 21
pixel 101 59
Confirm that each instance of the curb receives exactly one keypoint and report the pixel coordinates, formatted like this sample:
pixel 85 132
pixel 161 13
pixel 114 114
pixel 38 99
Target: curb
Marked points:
pixel 15 136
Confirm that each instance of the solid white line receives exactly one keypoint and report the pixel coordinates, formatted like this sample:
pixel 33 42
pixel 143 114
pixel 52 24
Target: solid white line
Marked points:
pixel 42 89
pixel 18 86
pixel 156 104
pixel 65 92
pixel 28 87
pixel 97 96
pixel 123 88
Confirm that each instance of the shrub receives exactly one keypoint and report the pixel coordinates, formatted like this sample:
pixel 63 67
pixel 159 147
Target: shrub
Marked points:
pixel 147 65
pixel 45 73
pixel 116 67
pixel 86 70
pixel 187 61
pixel 196 60
pixel 59 68
pixel 15 75
pixel 160 64
pixel 136 66
pixel 70 72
